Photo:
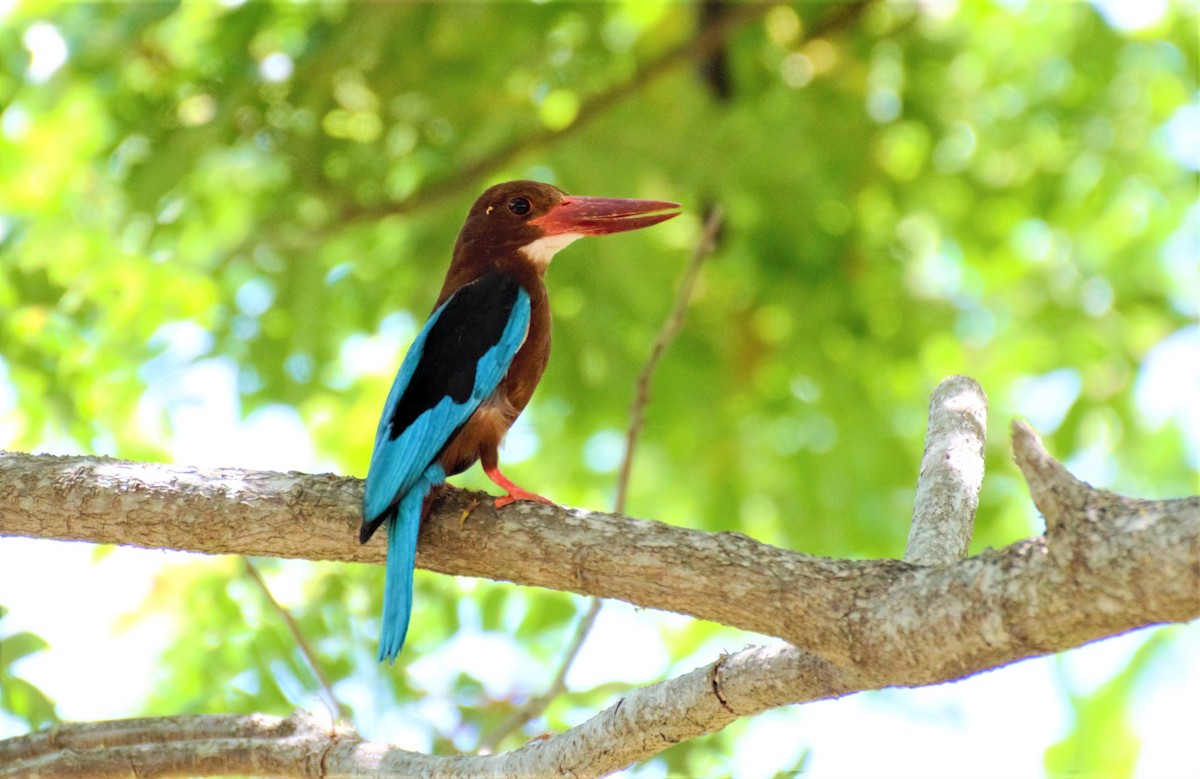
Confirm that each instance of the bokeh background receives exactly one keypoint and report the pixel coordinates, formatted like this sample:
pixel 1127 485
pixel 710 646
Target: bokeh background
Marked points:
pixel 221 223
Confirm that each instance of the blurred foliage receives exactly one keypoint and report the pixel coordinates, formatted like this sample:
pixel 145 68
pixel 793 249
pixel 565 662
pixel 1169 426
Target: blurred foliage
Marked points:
pixel 18 697
pixel 1102 741
pixel 988 189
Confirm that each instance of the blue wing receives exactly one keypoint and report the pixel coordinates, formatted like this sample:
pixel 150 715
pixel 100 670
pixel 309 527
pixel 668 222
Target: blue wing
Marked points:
pixel 456 361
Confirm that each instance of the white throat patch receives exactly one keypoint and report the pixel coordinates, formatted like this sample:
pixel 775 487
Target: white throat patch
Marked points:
pixel 541 251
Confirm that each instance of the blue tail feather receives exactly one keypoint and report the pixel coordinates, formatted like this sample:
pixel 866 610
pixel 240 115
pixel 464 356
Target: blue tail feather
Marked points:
pixel 401 553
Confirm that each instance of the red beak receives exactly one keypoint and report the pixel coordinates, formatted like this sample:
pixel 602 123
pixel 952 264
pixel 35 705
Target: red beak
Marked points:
pixel 603 215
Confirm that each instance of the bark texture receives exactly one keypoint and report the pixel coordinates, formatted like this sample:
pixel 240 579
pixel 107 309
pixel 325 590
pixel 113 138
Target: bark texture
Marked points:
pixel 1107 564
pixel 951 474
pixel 1105 557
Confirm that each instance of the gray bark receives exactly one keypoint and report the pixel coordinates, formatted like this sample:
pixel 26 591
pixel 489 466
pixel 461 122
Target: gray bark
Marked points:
pixel 1106 565
pixel 951 474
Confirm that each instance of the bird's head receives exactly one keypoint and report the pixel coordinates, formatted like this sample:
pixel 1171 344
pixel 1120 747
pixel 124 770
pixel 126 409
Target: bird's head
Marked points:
pixel 536 220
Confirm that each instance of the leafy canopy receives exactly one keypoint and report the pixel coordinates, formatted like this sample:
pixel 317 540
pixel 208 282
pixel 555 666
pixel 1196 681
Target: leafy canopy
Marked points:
pixel 270 191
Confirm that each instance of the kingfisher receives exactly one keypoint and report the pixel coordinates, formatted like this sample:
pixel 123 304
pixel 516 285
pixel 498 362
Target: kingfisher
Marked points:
pixel 474 365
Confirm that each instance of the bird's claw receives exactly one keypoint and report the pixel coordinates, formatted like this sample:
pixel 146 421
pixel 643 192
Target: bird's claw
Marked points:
pixel 474 504
pixel 519 494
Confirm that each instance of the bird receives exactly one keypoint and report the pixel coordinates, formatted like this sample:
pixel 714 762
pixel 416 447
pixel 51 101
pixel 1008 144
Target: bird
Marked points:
pixel 474 365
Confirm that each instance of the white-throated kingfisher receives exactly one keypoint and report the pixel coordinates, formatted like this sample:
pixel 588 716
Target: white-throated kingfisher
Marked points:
pixel 475 363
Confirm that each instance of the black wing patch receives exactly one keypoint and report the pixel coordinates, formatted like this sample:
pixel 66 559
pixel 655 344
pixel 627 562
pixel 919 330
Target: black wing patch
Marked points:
pixel 468 325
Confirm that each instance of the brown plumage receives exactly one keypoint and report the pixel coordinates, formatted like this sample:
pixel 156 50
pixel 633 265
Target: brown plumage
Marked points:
pixel 522 245
pixel 474 365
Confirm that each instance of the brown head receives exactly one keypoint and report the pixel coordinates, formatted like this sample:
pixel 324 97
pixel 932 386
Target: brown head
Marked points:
pixel 528 221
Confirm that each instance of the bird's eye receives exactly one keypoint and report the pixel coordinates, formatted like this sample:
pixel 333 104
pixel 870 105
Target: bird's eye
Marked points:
pixel 520 206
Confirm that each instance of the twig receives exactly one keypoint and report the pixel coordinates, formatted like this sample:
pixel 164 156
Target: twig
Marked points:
pixel 302 642
pixel 708 239
pixel 534 707
pixel 708 40
pixel 1055 491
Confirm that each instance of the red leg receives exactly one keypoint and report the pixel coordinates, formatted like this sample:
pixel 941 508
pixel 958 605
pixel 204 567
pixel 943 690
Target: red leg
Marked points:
pixel 515 493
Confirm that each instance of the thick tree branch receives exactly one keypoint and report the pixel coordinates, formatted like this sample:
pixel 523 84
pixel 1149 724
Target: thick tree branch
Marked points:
pixel 849 612
pixel 1109 564
pixel 202 745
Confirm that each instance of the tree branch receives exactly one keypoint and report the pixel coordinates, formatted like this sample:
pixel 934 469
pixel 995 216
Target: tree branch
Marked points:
pixel 848 612
pixel 951 474
pixel 1057 494
pixel 1109 564
pixel 198 745
pixel 710 38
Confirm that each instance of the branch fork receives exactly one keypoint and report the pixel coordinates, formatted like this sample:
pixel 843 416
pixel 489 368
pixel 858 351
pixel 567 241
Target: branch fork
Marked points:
pixel 1108 564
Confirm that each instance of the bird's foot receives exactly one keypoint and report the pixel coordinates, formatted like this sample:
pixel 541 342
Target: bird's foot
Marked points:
pixel 515 493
